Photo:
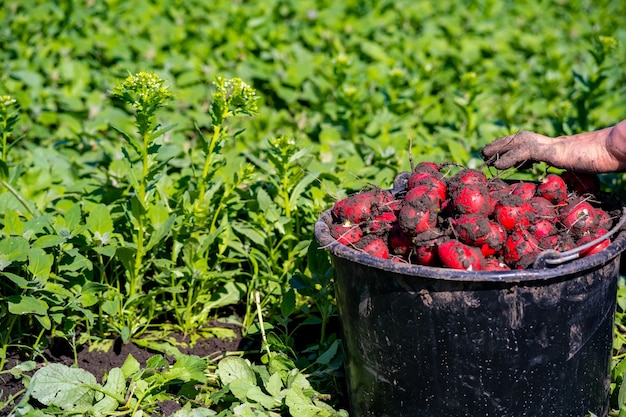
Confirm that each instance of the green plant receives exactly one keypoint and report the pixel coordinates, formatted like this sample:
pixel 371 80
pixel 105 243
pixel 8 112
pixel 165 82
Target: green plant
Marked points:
pixel 128 390
pixel 280 208
pixel 234 385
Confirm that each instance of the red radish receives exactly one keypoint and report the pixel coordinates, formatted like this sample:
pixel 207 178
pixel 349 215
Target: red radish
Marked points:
pixel 542 207
pixel 494 240
pixel 497 189
pixel 487 250
pixel 428 237
pixel 542 228
pixel 496 237
pixel 466 177
pixel 479 231
pixel 578 216
pixel 513 212
pixel 472 199
pixel 380 224
pixel 377 248
pixel 421 191
pixel 362 206
pixel 581 183
pixel 420 178
pixel 346 235
pixel 430 180
pixel 604 220
pixel 394 206
pixel 595 248
pixel 426 166
pixel 457 255
pixel 472 229
pixel 493 264
pixel 520 249
pixel 398 241
pixel 471 176
pixel 553 189
pixel 469 222
pixel 417 217
pixel 425 255
pixel 526 190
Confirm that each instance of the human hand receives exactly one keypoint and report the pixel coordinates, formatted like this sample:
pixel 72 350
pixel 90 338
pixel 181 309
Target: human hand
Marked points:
pixel 517 150
pixel 592 152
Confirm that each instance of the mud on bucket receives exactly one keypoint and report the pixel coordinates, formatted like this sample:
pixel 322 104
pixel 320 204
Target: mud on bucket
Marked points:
pixel 432 342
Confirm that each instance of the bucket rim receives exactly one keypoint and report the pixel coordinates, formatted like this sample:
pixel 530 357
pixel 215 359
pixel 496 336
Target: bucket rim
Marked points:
pixel 327 242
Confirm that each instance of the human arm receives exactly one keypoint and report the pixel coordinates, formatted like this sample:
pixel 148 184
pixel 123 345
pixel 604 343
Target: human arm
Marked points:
pixel 592 152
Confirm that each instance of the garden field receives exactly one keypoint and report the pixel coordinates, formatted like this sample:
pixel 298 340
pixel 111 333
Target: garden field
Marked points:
pixel 163 164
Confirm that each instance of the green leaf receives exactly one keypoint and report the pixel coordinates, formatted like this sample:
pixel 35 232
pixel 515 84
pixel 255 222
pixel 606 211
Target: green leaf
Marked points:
pixel 619 369
pixel 161 232
pixel 302 406
pixel 288 303
pixel 25 304
pixel 187 368
pixel 136 207
pixel 228 294
pixel 258 396
pixel 99 221
pixel 296 192
pixel 16 279
pixel 374 51
pixel 44 321
pixel 318 260
pixel 458 151
pixel 187 411
pixel 72 217
pixel 240 388
pixel 116 385
pixel 329 354
pixel 31 78
pixel 264 200
pixel 13 249
pixel 274 385
pixel 127 137
pixel 48 241
pixel 13 224
pixel 107 250
pixel 161 131
pixel 250 233
pixel 39 263
pixel 131 366
pixel 67 388
pixel 78 263
pixel 126 255
pixel 162 347
pixel 232 368
pixel 18 370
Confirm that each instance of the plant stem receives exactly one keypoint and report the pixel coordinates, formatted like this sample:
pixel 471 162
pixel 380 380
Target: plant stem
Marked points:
pixel 257 301
pixel 208 159
pixel 5 339
pixel 19 197
pixel 141 195
pixel 5 135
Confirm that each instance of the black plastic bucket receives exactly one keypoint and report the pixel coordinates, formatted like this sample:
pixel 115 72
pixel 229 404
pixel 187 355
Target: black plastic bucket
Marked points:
pixel 434 342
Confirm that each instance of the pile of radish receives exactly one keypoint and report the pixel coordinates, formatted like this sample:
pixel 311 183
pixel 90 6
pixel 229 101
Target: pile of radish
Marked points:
pixel 464 220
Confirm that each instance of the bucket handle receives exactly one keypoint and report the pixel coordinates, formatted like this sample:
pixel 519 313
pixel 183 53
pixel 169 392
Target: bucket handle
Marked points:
pixel 552 257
